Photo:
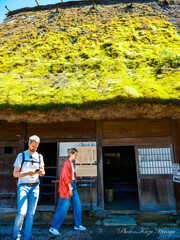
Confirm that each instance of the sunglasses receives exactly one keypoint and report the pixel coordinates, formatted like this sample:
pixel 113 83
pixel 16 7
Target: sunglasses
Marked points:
pixel 73 150
pixel 32 161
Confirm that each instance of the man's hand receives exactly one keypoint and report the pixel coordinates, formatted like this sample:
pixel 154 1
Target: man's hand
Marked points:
pixel 18 174
pixel 31 172
pixel 41 172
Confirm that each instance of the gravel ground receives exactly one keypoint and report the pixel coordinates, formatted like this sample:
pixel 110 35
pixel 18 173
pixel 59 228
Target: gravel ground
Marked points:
pixel 169 233
pixel 40 232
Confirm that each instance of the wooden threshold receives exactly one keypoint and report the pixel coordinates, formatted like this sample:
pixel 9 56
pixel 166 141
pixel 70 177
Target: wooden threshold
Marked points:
pixel 137 212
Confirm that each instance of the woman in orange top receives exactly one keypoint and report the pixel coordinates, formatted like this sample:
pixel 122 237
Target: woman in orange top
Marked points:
pixel 68 193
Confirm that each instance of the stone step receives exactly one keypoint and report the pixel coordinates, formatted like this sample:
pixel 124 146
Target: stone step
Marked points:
pixel 119 221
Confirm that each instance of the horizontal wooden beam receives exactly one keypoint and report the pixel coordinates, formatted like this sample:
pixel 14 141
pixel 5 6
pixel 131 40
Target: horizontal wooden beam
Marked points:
pixel 59 140
pixel 137 141
pixel 6 173
pixel 9 143
pixel 156 176
pixel 53 167
pixel 7 195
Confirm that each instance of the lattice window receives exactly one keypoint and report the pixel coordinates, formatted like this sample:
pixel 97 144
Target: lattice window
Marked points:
pixel 155 160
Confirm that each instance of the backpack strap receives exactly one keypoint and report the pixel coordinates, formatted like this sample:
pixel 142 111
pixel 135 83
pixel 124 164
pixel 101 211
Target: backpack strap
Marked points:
pixel 23 159
pixel 39 159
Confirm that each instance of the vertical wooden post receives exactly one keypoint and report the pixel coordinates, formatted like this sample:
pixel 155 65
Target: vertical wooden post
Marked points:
pixel 37 2
pixel 100 181
pixel 58 161
pixel 91 190
pixel 176 135
pixel 22 136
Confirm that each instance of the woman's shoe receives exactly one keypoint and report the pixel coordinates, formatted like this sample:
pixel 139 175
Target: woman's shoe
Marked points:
pixel 54 231
pixel 81 228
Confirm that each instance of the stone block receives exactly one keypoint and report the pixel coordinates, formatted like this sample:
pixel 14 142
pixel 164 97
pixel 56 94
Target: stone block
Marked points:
pixel 119 221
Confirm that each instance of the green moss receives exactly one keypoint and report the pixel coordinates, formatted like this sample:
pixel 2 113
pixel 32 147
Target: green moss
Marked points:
pixel 83 58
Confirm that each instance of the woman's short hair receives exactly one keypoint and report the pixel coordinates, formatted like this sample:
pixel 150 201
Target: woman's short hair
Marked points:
pixel 71 150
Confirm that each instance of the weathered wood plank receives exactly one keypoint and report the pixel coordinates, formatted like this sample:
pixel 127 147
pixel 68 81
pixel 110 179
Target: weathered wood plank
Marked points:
pixel 157 194
pixel 7 195
pixel 8 157
pixel 157 176
pixel 22 137
pixel 57 161
pixel 137 141
pixel 176 134
pixel 8 183
pixel 136 128
pixel 68 130
pixel 60 139
pixel 9 144
pixel 9 131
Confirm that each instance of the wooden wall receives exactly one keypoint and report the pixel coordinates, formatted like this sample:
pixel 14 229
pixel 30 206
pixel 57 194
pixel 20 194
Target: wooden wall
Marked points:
pixel 124 129
pixel 9 137
pixel 9 131
pixel 83 130
pixel 136 132
pixel 106 133
pixel 136 128
pixel 145 132
pixel 8 183
pixel 16 136
pixel 157 194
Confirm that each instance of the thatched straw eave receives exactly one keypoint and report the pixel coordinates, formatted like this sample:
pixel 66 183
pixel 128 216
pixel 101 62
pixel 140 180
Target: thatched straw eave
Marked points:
pixel 118 111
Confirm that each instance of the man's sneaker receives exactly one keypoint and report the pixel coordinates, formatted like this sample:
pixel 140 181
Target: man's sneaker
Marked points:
pixel 54 231
pixel 80 228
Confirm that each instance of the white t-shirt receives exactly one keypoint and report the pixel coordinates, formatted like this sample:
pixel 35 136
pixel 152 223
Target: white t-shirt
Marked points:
pixel 73 170
pixel 27 166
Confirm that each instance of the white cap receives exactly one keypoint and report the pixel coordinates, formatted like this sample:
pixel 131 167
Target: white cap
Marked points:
pixel 34 138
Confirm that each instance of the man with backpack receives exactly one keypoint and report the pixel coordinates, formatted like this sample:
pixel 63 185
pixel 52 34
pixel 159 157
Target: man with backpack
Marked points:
pixel 28 166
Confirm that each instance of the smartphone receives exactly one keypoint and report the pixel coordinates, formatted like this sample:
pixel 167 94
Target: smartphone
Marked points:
pixel 37 170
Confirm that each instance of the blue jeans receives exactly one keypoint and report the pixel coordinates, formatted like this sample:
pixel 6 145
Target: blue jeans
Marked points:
pixel 27 198
pixel 63 206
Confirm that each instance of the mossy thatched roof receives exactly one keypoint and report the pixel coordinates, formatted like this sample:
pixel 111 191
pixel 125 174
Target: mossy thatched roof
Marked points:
pixel 84 58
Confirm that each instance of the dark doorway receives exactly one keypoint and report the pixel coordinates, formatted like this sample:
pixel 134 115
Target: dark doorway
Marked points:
pixel 120 178
pixel 49 152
